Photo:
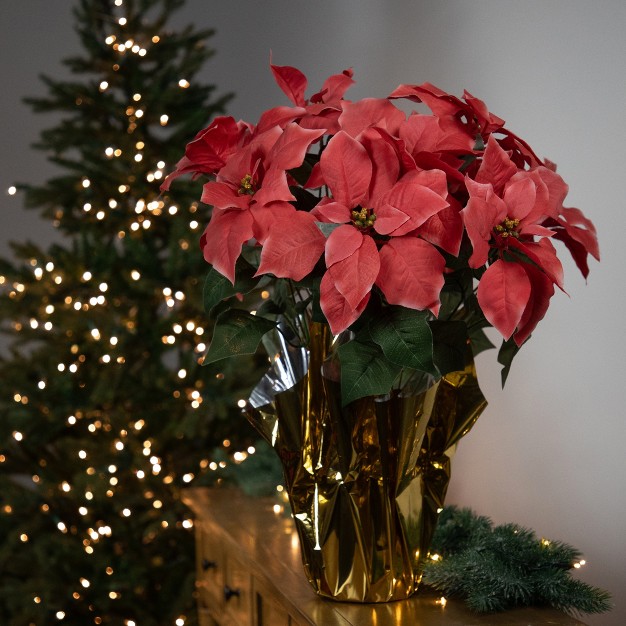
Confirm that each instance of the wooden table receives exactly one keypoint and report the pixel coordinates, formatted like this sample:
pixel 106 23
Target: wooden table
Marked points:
pixel 249 573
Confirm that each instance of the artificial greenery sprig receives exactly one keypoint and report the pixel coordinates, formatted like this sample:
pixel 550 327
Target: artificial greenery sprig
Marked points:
pixel 495 568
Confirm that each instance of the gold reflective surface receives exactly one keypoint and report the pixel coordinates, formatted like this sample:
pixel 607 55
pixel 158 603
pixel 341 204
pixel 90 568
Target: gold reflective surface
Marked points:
pixel 366 481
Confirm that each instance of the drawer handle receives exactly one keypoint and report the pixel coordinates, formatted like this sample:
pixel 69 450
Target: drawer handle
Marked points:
pixel 207 565
pixel 229 592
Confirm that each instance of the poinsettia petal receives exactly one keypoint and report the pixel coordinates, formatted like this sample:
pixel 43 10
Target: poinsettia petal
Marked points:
pixel 293 247
pixel 520 197
pixel 347 169
pixel 265 218
pixel 329 211
pixel 335 307
pixel 292 81
pixel 334 87
pixel 434 179
pixel 414 200
pixel 503 293
pixel 341 243
pixel 420 133
pixel 580 229
pixel 487 122
pixel 288 152
pixel 274 188
pixel 389 219
pixel 385 163
pixel 496 167
pixel 444 229
pixel 483 211
pixel 222 240
pixel 411 273
pixel 354 275
pixel 437 100
pixel 557 187
pixel 316 179
pixel 223 196
pixel 542 289
pixel 279 116
pixel 380 112
pixel 542 253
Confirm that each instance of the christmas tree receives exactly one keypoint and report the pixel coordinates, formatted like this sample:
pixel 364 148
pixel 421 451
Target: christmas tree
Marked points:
pixel 106 411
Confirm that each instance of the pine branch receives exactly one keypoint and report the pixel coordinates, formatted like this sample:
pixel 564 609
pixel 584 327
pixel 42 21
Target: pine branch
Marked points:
pixel 504 567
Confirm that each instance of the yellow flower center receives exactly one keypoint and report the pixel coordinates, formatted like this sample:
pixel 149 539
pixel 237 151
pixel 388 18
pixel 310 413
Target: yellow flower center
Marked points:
pixel 507 228
pixel 246 187
pixel 363 218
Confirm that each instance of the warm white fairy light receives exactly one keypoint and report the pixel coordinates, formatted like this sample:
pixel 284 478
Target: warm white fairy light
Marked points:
pixel 173 210
pixel 135 275
pixel 187 478
pixel 12 190
pixel 38 273
pixel 183 83
pixel 122 21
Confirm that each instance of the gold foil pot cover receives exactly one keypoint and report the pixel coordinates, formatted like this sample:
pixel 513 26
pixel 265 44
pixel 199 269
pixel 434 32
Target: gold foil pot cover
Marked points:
pixel 367 481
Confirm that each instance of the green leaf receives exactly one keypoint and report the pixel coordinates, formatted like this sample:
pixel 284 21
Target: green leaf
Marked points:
pixel 405 338
pixel 506 354
pixel 236 333
pixel 479 341
pixel 217 287
pixel 365 371
pixel 449 345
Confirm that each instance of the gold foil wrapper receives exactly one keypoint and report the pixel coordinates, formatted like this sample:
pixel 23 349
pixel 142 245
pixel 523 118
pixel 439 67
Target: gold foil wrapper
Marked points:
pixel 366 482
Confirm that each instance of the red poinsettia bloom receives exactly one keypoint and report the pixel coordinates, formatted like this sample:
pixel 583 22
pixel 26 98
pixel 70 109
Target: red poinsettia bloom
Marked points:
pixel 251 193
pixel 376 242
pixel 211 148
pixel 508 215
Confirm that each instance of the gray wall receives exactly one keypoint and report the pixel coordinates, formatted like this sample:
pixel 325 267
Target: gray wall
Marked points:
pixel 549 451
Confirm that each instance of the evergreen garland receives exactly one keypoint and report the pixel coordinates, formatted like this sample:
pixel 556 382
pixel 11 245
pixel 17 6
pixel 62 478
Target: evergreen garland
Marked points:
pixel 495 568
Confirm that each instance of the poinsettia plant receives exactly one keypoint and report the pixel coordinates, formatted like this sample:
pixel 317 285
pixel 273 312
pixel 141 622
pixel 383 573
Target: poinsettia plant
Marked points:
pixel 407 234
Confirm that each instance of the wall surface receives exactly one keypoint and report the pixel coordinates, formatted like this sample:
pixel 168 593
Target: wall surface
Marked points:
pixel 549 451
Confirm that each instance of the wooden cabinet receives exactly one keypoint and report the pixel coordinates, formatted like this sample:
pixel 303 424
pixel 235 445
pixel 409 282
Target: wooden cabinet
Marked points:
pixel 249 573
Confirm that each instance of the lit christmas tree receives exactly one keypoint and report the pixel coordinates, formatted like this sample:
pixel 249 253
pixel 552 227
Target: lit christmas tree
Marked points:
pixel 106 412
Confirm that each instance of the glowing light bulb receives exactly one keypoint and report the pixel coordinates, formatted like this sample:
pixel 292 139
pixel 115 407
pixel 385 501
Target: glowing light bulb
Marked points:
pixel 13 190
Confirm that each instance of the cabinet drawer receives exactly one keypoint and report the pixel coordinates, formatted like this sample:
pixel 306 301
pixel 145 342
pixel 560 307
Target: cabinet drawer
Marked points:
pixel 210 569
pixel 268 610
pixel 237 592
